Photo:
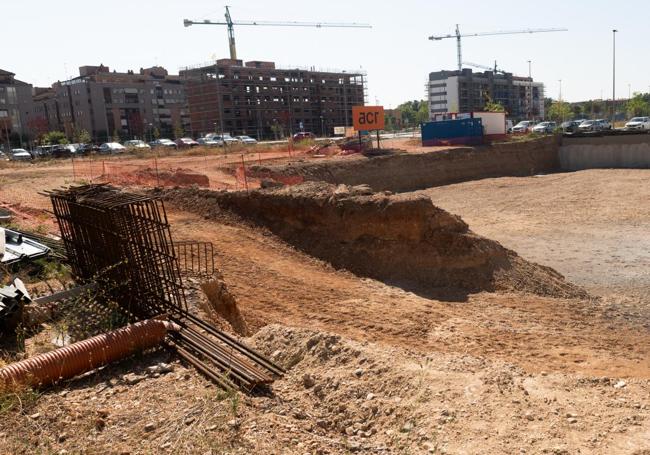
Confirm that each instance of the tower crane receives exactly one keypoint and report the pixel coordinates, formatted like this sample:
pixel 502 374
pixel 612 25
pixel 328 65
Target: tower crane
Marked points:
pixel 231 27
pixel 458 36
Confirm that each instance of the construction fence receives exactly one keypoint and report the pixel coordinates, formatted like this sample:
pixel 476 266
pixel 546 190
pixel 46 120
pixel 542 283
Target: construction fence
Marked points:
pixel 232 171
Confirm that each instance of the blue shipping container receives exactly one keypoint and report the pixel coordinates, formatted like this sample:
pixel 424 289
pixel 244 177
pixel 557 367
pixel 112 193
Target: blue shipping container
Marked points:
pixel 451 132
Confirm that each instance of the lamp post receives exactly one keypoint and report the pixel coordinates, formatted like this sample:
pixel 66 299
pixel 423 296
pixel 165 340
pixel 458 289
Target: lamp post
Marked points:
pixel 530 103
pixel 614 77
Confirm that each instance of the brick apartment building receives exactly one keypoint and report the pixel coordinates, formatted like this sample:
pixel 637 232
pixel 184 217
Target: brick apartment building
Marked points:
pixel 16 108
pixel 107 104
pixel 266 102
pixel 466 91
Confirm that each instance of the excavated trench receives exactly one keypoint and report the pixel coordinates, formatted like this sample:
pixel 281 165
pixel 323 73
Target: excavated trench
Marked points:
pixel 403 240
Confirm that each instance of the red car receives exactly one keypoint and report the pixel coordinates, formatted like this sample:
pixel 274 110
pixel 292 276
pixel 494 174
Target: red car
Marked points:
pixel 186 142
pixel 303 136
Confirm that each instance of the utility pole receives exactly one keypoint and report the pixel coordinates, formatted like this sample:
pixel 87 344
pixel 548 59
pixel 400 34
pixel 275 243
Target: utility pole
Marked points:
pixel 614 77
pixel 530 104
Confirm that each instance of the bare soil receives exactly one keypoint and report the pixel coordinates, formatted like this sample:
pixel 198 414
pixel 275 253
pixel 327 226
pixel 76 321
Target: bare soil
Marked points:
pixel 376 368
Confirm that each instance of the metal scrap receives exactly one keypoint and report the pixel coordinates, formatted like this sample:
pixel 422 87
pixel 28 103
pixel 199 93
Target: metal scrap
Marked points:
pixel 12 299
pixel 16 246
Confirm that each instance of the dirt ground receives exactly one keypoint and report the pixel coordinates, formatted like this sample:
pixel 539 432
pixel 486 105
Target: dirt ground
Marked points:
pixel 592 226
pixel 373 368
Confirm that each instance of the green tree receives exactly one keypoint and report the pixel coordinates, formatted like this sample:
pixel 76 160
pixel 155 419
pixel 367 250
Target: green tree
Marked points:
pixel 577 110
pixel 493 106
pixel 422 115
pixel 82 137
pixel 637 106
pixel 179 132
pixel 54 138
pixel 559 111
pixel 116 135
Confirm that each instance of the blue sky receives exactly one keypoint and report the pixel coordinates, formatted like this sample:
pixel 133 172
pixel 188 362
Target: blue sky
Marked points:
pixel 44 40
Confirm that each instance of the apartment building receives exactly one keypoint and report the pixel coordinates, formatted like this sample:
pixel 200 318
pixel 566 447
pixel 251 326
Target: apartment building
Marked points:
pixel 466 91
pixel 258 99
pixel 16 107
pixel 107 104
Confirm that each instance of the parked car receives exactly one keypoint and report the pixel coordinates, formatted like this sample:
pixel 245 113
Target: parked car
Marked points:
pixel 111 147
pixel 62 151
pixel 3 155
pixel 225 138
pixel 42 150
pixel 523 127
pixel 163 143
pixel 136 144
pixel 604 124
pixel 303 136
pixel 85 149
pixel 545 127
pixel 20 155
pixel 590 126
pixel 571 126
pixel 638 123
pixel 185 142
pixel 246 139
pixel 210 142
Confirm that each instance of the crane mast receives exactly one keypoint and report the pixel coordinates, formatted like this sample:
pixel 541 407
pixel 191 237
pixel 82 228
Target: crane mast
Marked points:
pixel 458 37
pixel 230 24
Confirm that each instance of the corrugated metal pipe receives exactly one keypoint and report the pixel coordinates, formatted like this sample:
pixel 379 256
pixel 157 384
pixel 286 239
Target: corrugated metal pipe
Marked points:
pixel 77 358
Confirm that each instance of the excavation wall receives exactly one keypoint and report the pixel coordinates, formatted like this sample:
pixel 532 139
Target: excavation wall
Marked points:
pixel 605 152
pixel 401 239
pixel 401 172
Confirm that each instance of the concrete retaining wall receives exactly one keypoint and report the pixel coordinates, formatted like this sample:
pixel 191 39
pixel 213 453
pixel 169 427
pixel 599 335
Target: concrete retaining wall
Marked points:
pixel 605 152
pixel 402 172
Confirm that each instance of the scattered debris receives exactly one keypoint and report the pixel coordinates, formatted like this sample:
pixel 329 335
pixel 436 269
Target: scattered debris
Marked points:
pixel 12 300
pixel 16 246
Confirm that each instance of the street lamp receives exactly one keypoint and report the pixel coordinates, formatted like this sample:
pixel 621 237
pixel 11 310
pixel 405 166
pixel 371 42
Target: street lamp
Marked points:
pixel 614 77
pixel 530 104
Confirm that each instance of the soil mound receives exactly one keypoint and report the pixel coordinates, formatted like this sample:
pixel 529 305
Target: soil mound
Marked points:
pixel 162 177
pixel 403 240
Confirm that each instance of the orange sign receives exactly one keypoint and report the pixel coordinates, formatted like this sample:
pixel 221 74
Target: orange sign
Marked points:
pixel 368 118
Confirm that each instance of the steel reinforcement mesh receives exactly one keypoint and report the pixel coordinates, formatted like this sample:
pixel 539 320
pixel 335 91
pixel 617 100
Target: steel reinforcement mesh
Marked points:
pixel 122 239
pixel 122 242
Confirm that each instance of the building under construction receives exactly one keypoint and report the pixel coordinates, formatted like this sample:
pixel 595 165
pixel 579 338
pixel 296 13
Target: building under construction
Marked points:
pixel 260 100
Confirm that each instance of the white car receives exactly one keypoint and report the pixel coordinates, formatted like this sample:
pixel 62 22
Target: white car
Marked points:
pixel 638 123
pixel 136 144
pixel 20 155
pixel 545 127
pixel 523 126
pixel 111 147
pixel 225 138
pixel 210 142
pixel 246 139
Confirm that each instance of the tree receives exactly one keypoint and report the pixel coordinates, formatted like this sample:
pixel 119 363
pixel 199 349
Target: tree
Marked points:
pixel 54 138
pixel 493 106
pixel 82 137
pixel 637 106
pixel 577 110
pixel 559 111
pixel 156 133
pixel 179 132
pixel 116 135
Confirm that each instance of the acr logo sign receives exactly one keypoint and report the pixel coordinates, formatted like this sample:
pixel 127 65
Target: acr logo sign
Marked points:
pixel 368 118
